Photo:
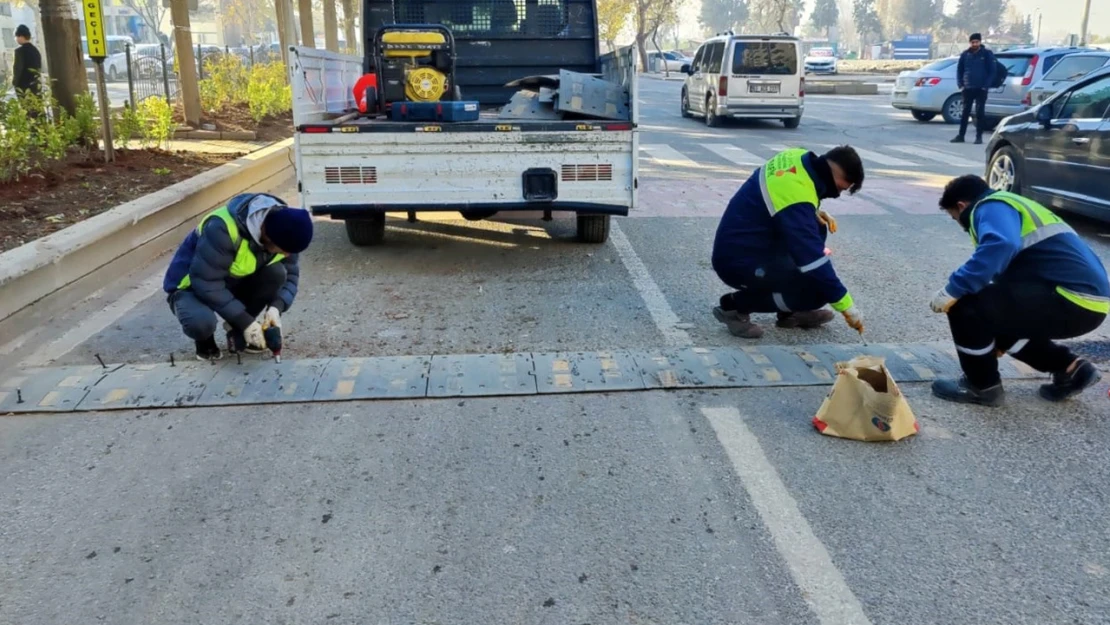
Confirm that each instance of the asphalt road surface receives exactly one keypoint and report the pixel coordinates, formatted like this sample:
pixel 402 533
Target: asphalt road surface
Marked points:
pixel 655 506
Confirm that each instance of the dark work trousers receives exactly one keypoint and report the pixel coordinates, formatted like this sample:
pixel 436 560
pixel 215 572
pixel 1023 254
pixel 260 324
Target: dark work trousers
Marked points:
pixel 256 291
pixel 774 285
pixel 1021 318
pixel 978 99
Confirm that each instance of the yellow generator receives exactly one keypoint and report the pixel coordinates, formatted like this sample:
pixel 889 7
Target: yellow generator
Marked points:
pixel 414 63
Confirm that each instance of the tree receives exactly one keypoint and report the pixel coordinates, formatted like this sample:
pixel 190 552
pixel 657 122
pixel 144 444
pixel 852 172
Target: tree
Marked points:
pixel 768 16
pixel 648 16
pixel 723 15
pixel 921 16
pixel 825 15
pixel 866 18
pixel 612 17
pixel 61 38
pixel 979 16
pixel 348 22
pixel 152 13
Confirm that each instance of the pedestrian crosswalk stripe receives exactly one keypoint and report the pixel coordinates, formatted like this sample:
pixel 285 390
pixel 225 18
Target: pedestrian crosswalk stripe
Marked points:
pixel 936 155
pixel 778 147
pixel 666 155
pixel 880 159
pixel 732 153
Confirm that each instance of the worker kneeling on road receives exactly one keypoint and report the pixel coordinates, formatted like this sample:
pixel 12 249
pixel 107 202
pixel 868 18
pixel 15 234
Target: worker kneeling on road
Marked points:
pixel 770 244
pixel 1030 280
pixel 240 261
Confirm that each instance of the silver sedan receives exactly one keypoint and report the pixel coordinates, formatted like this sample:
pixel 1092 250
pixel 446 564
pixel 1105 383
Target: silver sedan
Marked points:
pixel 930 91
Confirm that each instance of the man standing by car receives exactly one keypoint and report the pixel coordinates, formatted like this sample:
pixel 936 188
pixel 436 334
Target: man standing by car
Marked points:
pixel 1030 281
pixel 974 76
pixel 770 244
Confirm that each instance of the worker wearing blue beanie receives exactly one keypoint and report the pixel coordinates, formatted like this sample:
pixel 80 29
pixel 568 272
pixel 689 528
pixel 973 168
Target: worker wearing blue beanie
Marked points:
pixel 242 260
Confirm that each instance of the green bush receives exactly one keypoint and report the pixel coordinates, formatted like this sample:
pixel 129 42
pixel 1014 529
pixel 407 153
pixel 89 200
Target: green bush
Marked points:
pixel 127 126
pixel 225 82
pixel 34 131
pixel 268 94
pixel 157 121
pixel 262 87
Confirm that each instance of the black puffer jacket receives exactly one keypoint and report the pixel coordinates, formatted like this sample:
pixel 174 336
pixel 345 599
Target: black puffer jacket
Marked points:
pixel 207 257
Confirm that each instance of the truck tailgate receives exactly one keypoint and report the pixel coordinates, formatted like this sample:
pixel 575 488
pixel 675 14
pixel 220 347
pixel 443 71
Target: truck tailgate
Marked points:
pixel 442 170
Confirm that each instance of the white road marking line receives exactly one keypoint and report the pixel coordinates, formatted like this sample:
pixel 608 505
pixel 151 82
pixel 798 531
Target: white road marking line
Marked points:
pixel 880 159
pixel 936 155
pixel 732 153
pixel 666 155
pixel 661 312
pixel 94 323
pixel 823 587
pixel 778 147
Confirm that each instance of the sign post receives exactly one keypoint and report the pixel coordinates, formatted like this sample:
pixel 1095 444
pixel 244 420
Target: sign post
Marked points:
pixel 98 50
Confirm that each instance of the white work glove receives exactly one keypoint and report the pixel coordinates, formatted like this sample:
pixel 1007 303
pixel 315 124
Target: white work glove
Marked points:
pixel 271 317
pixel 854 318
pixel 254 338
pixel 827 219
pixel 942 301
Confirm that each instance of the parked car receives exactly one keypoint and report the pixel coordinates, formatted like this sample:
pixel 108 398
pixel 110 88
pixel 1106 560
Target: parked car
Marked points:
pixel 1058 153
pixel 821 61
pixel 674 61
pixel 1065 74
pixel 1026 66
pixel 746 77
pixel 930 91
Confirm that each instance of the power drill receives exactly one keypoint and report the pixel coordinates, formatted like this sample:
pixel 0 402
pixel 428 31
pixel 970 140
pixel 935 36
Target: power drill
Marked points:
pixel 272 335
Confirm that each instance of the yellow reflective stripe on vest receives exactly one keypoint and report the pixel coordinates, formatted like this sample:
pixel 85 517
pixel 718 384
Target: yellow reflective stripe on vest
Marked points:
pixel 784 181
pixel 245 262
pixel 1037 222
pixel 1093 303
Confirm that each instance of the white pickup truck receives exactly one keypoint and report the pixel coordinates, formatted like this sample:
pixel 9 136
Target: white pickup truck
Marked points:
pixel 357 169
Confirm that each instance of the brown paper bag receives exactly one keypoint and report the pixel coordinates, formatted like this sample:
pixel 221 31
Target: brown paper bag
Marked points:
pixel 865 404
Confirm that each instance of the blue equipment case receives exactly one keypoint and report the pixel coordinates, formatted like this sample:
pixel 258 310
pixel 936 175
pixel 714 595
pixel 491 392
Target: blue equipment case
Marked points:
pixel 434 111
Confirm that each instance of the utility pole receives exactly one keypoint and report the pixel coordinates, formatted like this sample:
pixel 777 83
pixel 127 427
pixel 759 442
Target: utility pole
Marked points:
pixel 186 61
pixel 1083 27
pixel 1040 16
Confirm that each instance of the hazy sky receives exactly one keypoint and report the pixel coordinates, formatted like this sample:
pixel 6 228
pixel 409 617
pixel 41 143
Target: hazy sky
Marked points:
pixel 1061 15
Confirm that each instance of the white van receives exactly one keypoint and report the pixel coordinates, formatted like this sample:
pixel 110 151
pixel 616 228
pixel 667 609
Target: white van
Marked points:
pixel 746 77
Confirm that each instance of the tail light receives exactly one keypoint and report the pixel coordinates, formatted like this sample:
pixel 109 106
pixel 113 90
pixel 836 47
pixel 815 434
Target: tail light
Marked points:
pixel 722 86
pixel 1028 99
pixel 1028 78
pixel 927 82
pixel 802 88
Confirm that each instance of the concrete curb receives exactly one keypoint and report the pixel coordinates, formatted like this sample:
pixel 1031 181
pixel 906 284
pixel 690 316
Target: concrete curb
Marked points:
pixel 46 275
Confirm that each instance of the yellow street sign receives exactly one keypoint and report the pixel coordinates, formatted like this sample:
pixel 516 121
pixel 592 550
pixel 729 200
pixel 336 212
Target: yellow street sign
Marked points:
pixel 94 29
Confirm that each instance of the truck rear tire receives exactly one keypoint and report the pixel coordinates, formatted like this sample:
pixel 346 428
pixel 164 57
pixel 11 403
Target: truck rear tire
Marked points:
pixel 593 228
pixel 366 231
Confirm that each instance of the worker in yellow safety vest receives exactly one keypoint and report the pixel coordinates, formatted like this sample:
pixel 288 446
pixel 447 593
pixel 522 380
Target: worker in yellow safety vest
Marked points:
pixel 770 243
pixel 239 262
pixel 1031 280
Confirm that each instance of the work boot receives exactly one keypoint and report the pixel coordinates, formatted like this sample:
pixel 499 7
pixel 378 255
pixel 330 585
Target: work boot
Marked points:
pixel 1065 385
pixel 208 349
pixel 961 391
pixel 725 316
pixel 979 139
pixel 737 324
pixel 806 319
pixel 957 139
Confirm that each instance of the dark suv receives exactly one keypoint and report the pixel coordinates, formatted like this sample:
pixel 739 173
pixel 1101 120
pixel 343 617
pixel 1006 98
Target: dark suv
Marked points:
pixel 1058 153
